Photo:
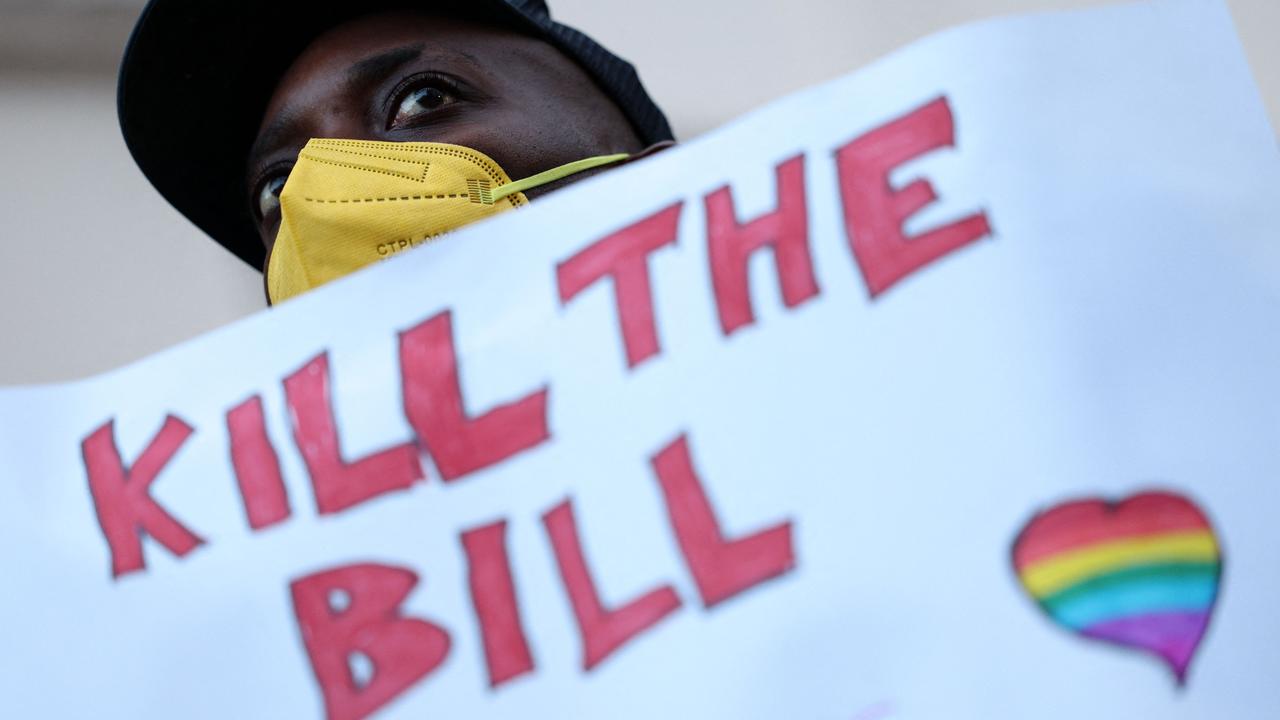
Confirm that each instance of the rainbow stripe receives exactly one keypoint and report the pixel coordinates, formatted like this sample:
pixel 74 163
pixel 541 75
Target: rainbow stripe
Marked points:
pixel 1143 573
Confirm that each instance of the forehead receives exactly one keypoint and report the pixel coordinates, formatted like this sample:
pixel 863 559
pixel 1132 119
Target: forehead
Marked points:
pixel 363 48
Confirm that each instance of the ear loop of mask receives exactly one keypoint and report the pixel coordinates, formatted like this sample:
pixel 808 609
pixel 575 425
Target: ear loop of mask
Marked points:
pixel 554 174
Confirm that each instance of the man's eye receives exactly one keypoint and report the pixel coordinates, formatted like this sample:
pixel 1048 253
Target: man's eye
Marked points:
pixel 269 195
pixel 419 102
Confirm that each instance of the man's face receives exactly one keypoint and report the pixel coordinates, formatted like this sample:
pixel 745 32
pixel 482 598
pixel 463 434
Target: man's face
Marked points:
pixel 411 77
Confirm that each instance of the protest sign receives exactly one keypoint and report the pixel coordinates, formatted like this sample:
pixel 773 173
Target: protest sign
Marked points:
pixel 946 390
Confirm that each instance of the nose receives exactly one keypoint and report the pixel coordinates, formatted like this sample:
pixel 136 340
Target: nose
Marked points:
pixel 340 123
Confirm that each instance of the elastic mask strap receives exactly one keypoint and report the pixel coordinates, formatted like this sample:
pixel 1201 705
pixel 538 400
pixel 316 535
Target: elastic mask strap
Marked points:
pixel 555 174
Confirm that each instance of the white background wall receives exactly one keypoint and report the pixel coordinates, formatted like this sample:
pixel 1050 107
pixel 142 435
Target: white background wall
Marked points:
pixel 96 270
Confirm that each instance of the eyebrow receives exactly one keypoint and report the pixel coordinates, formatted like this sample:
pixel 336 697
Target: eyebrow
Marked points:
pixel 365 72
pixel 374 69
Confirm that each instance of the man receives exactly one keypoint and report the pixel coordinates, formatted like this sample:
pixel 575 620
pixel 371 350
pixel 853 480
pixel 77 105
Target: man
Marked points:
pixel 443 111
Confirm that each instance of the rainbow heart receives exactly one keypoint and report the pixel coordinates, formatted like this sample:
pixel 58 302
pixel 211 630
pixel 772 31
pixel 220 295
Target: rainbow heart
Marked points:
pixel 1142 573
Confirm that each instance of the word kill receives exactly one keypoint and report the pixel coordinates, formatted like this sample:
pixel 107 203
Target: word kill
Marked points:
pixel 369 624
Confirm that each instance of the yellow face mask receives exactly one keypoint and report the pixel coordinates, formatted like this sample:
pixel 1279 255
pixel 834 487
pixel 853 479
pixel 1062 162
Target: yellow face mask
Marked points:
pixel 350 203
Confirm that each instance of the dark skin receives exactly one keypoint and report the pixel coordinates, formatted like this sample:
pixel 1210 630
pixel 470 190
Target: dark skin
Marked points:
pixel 411 77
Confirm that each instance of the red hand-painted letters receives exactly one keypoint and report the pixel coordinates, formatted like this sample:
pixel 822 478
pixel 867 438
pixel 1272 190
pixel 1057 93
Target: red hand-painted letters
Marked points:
pixel 357 610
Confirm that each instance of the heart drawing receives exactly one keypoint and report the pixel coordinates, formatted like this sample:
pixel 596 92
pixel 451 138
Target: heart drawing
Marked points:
pixel 1142 573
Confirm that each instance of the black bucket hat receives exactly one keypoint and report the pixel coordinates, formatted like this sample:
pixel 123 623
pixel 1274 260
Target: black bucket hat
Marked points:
pixel 197 76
